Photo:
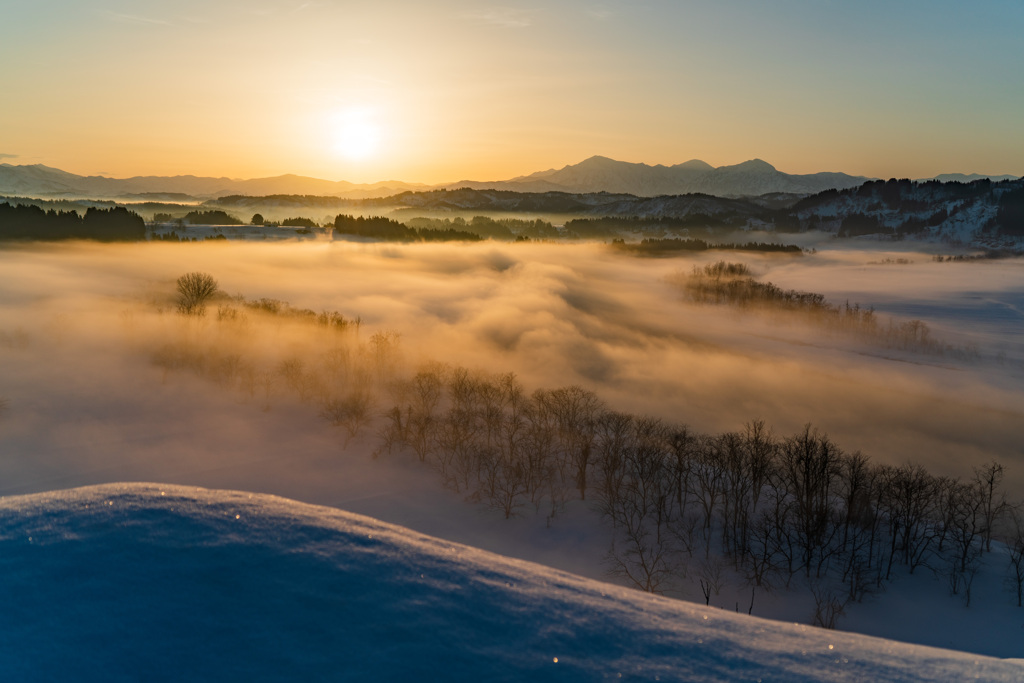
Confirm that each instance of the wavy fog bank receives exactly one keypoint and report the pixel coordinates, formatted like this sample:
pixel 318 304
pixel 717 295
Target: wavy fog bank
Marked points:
pixel 80 327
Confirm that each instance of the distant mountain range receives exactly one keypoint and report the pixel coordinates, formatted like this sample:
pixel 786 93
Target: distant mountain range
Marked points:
pixel 970 177
pixel 43 181
pixel 596 174
pixel 601 174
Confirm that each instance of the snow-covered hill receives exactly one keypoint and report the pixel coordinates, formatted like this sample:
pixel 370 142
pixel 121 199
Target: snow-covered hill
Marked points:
pixel 129 582
pixel 981 213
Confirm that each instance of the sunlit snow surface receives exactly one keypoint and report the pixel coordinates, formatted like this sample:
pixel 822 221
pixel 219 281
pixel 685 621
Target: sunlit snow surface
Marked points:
pixel 133 582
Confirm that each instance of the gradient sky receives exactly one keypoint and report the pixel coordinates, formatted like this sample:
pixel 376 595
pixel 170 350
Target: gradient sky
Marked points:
pixel 456 90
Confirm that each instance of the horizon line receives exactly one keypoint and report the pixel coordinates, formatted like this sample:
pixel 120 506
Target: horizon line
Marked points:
pixel 109 176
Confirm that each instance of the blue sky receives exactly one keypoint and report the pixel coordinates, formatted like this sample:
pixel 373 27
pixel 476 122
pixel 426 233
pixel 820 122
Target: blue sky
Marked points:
pixel 459 89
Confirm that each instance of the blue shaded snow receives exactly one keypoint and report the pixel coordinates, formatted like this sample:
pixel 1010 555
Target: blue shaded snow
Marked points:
pixel 147 582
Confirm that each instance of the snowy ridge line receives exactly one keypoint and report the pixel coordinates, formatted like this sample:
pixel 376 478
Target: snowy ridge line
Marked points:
pixel 115 581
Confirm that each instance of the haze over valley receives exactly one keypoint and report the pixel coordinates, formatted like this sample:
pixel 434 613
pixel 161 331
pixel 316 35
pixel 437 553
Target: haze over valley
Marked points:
pixel 595 174
pixel 564 341
pixel 105 380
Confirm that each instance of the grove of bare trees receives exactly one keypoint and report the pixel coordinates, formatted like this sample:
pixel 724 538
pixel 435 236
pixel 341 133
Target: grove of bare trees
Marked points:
pixel 682 508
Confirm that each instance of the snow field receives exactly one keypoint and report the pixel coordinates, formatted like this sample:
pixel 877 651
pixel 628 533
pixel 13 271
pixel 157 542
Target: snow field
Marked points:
pixel 127 582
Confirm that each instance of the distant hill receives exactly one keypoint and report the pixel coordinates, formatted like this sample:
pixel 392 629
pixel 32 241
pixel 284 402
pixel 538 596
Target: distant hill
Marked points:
pixel 43 181
pixel 751 179
pixel 977 213
pixel 596 174
pixel 981 212
pixel 735 211
pixel 601 174
pixel 968 177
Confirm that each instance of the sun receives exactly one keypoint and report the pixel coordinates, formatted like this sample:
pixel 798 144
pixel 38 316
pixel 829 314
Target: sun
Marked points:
pixel 357 134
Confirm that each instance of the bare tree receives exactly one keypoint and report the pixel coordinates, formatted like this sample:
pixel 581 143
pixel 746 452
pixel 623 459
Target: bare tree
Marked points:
pixel 194 290
pixel 457 446
pixel 614 436
pixel 859 484
pixel 708 482
pixel 828 607
pixel 641 511
pixel 421 418
pixel 305 384
pixel 384 353
pixel 505 483
pixel 760 559
pixel 459 457
pixel 575 410
pixel 1015 549
pixel 393 434
pixel 809 465
pixel 491 410
pixel 961 508
pixel 737 502
pixel 352 411
pixel 539 445
pixel 987 480
pixel 683 446
pixel 908 499
pixel 267 382
pixel 711 578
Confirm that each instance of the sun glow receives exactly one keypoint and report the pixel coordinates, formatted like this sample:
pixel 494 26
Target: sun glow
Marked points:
pixel 357 134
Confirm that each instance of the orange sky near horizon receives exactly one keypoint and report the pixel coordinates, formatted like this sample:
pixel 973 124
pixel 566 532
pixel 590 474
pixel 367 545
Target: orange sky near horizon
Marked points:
pixel 460 90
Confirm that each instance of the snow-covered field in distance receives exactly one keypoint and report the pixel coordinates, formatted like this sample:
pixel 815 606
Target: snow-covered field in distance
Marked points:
pixel 86 404
pixel 128 582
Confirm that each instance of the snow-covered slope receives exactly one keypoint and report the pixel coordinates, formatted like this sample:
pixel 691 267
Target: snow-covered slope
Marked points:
pixel 129 582
pixel 979 214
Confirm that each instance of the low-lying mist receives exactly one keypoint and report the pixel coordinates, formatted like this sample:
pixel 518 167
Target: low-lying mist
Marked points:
pixel 103 379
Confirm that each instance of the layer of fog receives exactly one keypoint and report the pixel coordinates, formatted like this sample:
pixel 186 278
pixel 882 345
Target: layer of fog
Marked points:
pixel 79 327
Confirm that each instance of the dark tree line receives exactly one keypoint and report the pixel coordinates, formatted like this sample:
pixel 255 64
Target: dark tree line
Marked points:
pixel 381 228
pixel 298 222
pixel 772 508
pixel 377 227
pixel 173 236
pixel 489 439
pixel 216 217
pixel 1010 218
pixel 671 245
pixel 733 284
pixel 508 229
pixel 116 224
